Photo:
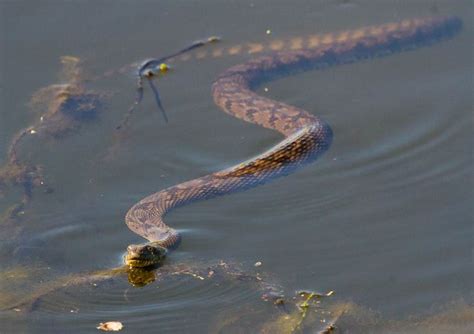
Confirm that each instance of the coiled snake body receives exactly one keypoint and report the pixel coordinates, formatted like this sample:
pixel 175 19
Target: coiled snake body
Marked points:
pixel 306 136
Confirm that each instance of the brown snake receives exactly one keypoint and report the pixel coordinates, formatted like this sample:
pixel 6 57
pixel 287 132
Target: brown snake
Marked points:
pixel 306 136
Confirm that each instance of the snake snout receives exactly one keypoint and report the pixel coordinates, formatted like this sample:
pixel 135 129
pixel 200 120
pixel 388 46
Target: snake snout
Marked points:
pixel 144 255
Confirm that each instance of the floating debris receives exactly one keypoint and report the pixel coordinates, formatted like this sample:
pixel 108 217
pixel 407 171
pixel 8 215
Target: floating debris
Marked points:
pixel 279 301
pixel 258 264
pixel 197 276
pixel 110 326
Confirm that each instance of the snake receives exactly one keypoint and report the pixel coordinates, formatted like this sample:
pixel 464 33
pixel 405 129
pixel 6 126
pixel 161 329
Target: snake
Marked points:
pixel 306 137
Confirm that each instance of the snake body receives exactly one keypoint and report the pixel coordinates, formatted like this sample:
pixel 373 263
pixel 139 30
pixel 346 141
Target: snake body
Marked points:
pixel 307 136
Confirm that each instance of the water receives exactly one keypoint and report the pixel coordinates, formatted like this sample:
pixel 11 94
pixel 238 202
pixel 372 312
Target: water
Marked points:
pixel 384 218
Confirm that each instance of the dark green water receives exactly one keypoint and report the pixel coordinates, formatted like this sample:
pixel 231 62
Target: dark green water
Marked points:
pixel 384 218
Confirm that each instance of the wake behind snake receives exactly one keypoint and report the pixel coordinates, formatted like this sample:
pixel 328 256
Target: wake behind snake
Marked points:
pixel 307 136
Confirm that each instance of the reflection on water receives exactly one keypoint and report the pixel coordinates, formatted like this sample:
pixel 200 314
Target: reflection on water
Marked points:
pixel 385 219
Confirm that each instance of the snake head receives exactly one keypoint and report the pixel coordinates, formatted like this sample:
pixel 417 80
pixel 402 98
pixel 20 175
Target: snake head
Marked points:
pixel 145 255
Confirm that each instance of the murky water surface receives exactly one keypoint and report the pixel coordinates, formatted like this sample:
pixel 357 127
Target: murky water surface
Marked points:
pixel 384 218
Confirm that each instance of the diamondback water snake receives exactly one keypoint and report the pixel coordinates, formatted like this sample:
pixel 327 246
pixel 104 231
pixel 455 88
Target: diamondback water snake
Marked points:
pixel 306 136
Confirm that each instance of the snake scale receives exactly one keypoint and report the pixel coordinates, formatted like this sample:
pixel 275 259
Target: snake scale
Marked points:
pixel 307 136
